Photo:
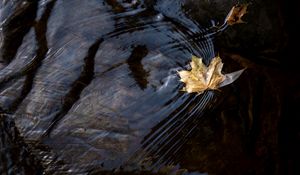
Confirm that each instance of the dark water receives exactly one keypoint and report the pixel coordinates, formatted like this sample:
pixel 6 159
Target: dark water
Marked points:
pixel 91 87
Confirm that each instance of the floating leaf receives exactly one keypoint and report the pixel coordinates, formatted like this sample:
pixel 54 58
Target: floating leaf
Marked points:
pixel 201 78
pixel 236 13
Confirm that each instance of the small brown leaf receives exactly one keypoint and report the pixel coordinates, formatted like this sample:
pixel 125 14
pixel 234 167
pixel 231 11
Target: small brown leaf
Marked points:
pixel 236 13
pixel 201 78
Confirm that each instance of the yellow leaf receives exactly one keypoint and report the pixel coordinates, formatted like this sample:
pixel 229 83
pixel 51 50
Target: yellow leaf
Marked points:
pixel 200 77
pixel 236 13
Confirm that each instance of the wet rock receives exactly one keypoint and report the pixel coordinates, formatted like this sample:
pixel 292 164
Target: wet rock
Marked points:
pixel 16 18
pixel 15 156
pixel 92 87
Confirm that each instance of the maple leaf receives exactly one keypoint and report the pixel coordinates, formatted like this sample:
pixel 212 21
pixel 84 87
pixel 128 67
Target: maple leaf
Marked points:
pixel 236 13
pixel 201 77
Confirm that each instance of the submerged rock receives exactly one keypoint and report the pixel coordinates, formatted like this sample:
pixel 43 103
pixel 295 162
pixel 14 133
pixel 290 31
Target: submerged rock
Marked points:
pixel 92 87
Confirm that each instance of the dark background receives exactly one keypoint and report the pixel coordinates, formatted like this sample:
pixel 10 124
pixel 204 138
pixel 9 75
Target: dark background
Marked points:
pixel 260 122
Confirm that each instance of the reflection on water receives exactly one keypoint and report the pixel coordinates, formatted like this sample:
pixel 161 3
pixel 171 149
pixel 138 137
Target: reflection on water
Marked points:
pixel 92 86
